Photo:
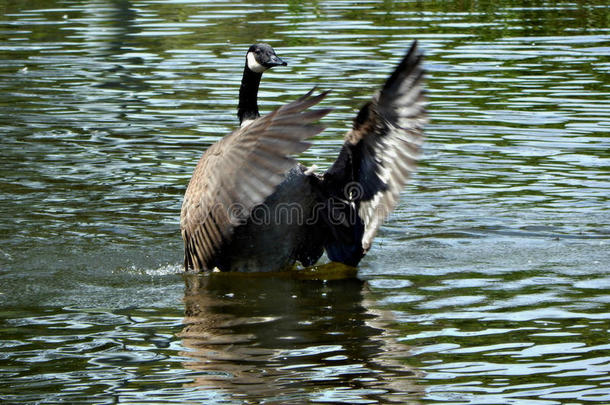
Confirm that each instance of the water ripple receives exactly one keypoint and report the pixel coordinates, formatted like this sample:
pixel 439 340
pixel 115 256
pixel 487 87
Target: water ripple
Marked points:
pixel 487 285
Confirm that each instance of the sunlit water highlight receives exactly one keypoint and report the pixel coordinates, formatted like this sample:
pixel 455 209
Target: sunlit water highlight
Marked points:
pixel 489 284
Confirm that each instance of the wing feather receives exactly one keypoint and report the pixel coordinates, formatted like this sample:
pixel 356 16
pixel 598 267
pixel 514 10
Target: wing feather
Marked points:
pixel 379 155
pixel 239 172
pixel 393 133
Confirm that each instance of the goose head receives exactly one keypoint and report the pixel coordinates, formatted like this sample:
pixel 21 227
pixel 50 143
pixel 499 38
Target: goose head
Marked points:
pixel 261 57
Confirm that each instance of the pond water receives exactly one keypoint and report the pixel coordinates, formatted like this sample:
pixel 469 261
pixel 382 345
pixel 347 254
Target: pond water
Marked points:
pixel 490 283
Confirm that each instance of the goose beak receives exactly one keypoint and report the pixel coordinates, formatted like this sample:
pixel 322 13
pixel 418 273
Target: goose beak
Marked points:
pixel 275 61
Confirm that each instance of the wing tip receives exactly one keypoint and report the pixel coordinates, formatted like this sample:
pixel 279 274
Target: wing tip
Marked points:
pixel 411 62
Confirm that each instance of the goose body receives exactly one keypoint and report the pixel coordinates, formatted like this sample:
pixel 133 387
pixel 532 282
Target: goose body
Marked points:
pixel 250 206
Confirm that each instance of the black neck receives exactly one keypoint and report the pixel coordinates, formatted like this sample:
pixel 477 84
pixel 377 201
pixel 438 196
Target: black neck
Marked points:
pixel 248 92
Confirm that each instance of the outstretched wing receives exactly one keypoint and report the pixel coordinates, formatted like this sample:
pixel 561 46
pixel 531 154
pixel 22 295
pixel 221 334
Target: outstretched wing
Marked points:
pixel 239 172
pixel 379 154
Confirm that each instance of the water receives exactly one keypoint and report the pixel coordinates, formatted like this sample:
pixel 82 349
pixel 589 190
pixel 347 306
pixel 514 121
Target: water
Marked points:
pixel 489 284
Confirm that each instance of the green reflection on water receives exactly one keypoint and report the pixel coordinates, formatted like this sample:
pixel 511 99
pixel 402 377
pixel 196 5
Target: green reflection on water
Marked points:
pixel 489 283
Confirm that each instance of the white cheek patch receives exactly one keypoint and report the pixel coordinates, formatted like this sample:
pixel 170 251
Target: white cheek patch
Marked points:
pixel 253 65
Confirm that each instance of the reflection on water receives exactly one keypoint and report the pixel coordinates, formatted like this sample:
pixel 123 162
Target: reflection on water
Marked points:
pixel 281 340
pixel 489 284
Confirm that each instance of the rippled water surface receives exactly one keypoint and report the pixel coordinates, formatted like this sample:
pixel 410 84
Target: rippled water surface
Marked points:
pixel 490 283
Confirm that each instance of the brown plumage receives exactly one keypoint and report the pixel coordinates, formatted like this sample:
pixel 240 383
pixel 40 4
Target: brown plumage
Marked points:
pixel 239 172
pixel 341 209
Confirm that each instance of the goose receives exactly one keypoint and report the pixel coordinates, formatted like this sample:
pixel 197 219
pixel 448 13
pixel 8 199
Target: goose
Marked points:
pixel 251 207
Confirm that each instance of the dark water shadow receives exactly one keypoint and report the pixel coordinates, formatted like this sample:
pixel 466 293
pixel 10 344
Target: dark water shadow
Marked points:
pixel 286 340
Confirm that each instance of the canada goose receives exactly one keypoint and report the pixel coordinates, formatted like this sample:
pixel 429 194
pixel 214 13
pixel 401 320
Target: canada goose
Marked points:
pixel 249 206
